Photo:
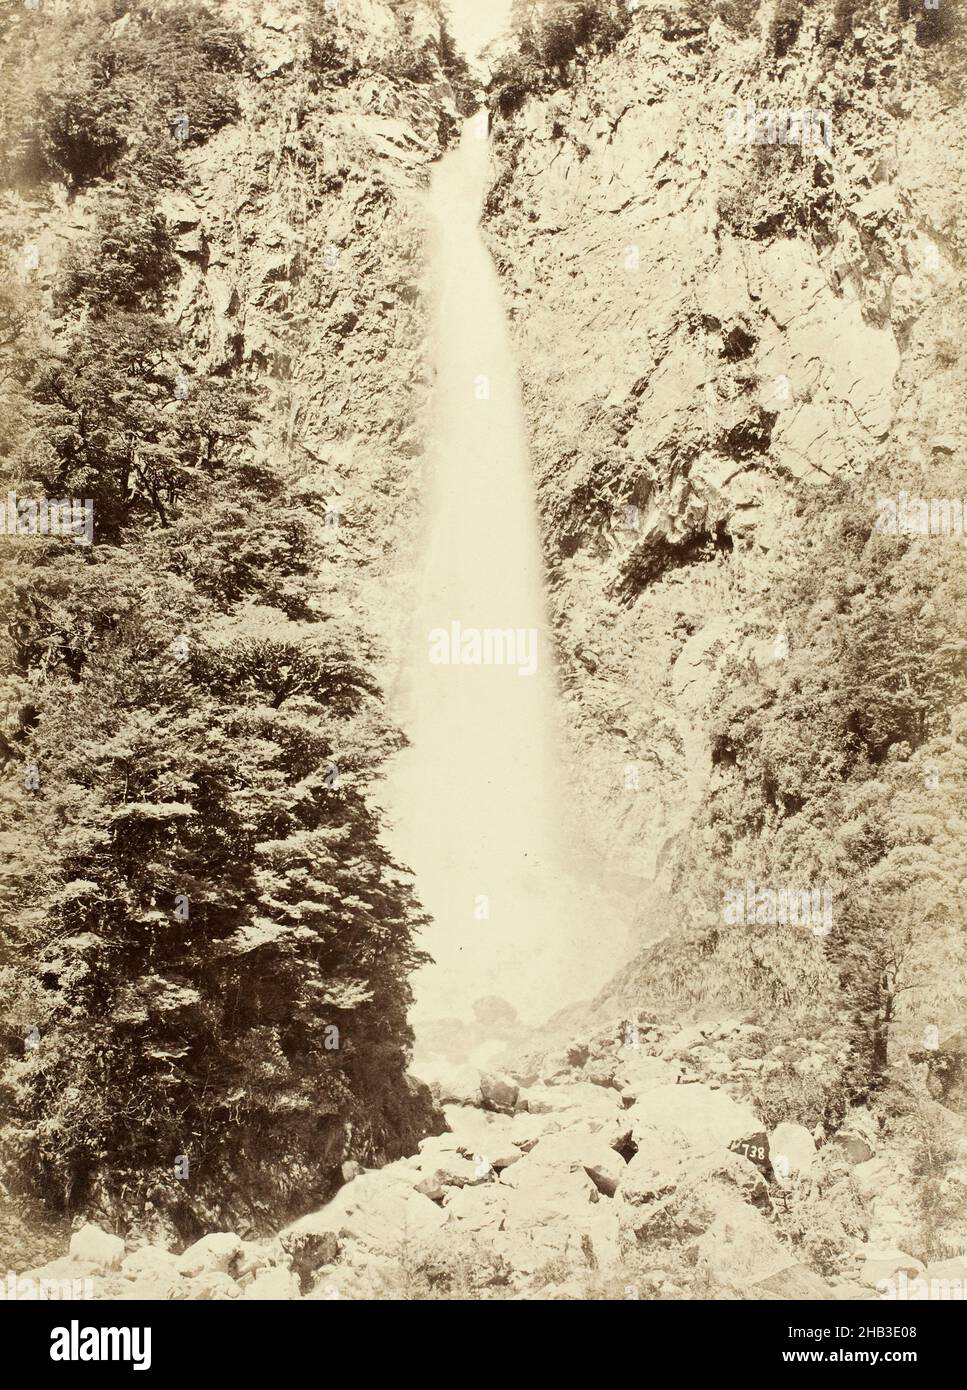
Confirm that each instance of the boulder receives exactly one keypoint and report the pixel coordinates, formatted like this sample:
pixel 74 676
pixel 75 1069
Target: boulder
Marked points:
pixel 151 1261
pixel 856 1136
pixel 502 1156
pixel 274 1284
pixel 466 1119
pixel 482 1134
pixel 792 1282
pixel 562 1064
pixel 682 1042
pixel 885 1264
pixel 590 1235
pixel 96 1249
pixel 739 1247
pixel 156 1287
pixel 638 1073
pixel 457 1171
pixel 452 1085
pixel 436 1146
pixel 546 1193
pixel 527 1249
pixel 215 1253
pixel 498 1092
pixel 385 1220
pixel 698 1113
pixel 664 1178
pixel 211 1285
pixel 856 1147
pixel 597 1235
pixel 653 1171
pixel 527 1129
pixel 951 1272
pixel 478 1208
pixel 577 1102
pixel 491 1148
pixel 573 1149
pixel 432 1188
pixel 792 1151
pixel 546 1100
pixel 605 1173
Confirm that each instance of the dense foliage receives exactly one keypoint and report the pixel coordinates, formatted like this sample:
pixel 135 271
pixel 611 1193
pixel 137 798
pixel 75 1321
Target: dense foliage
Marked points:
pixel 549 35
pixel 340 50
pixel 206 947
pixel 118 90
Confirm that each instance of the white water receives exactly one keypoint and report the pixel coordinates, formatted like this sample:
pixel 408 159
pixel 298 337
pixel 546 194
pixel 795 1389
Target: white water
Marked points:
pixel 478 800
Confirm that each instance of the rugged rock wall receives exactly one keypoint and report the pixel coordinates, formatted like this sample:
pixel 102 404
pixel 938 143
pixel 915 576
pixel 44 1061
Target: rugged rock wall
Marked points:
pixel 300 240
pixel 302 245
pixel 742 323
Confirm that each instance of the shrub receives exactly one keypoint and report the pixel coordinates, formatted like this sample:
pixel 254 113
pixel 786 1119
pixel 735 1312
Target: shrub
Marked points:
pixel 450 1265
pixel 124 94
pixel 129 264
pixel 330 52
pixel 784 27
pixel 549 37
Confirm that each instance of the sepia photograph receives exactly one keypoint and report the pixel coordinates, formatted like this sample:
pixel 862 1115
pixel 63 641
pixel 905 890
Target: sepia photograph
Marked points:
pixel 484 634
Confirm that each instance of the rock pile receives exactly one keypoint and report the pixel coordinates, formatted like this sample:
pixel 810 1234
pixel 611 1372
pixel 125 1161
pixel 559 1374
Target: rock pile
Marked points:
pixel 627 1166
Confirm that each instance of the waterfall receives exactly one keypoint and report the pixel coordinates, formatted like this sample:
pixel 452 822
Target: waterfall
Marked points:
pixel 478 799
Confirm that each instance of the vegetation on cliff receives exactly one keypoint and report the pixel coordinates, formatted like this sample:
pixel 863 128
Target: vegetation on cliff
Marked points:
pixel 206 947
pixel 548 36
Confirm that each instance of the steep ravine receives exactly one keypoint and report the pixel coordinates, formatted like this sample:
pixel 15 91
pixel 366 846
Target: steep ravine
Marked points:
pixel 725 350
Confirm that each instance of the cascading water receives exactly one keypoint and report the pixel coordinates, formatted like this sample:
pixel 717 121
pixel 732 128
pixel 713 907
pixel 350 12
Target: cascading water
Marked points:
pixel 478 799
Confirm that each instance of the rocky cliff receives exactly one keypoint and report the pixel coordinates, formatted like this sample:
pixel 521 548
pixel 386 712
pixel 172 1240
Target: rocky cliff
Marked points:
pixel 746 323
pixel 301 239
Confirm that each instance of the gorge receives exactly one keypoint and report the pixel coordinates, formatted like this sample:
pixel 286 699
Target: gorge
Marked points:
pixel 586 371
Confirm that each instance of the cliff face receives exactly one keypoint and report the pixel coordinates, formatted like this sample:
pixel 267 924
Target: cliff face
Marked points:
pixel 746 324
pixel 299 232
pixel 302 252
